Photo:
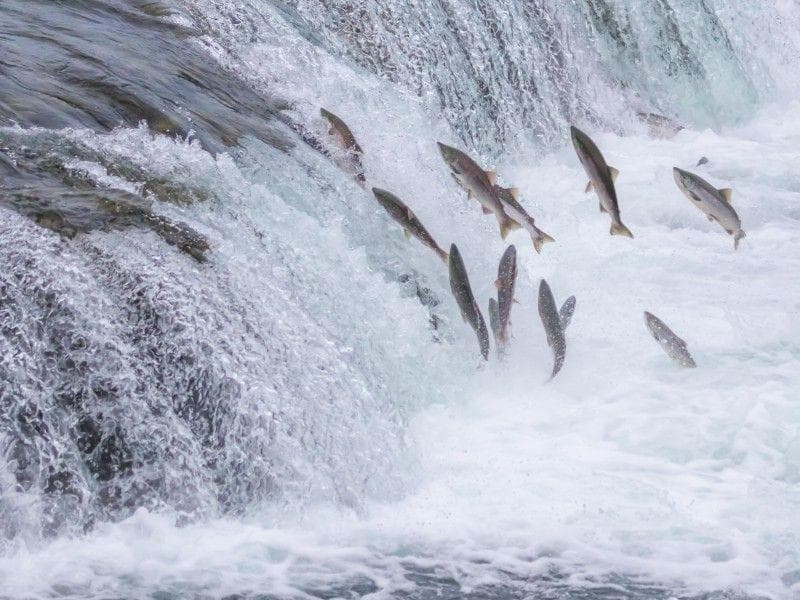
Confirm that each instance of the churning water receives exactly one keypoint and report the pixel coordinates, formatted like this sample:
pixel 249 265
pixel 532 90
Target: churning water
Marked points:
pixel 225 373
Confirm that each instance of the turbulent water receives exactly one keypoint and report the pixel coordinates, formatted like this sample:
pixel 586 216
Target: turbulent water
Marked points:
pixel 225 373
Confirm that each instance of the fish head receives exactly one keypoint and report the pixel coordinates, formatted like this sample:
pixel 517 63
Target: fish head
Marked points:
pixel 454 264
pixel 683 179
pixel 451 156
pixel 581 142
pixel 509 258
pixel 655 326
pixel 386 199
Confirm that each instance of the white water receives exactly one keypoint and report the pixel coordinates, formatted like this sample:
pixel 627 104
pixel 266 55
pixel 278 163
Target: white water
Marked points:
pixel 487 481
pixel 623 464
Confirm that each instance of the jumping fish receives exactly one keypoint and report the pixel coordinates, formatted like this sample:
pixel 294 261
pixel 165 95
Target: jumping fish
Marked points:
pixel 660 126
pixel 674 346
pixel 479 184
pixel 408 220
pixel 553 327
pixel 601 179
pixel 716 204
pixel 506 279
pixel 345 138
pixel 459 285
pixel 508 196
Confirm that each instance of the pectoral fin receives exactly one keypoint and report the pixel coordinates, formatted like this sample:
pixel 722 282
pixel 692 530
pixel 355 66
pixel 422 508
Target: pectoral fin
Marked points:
pixel 485 210
pixel 602 208
pixel 407 233
pixel 498 283
pixel 589 187
pixel 492 177
pixel 614 173
pixel 726 193
pixel 514 193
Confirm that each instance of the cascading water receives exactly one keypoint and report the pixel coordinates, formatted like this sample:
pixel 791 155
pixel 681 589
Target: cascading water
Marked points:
pixel 223 371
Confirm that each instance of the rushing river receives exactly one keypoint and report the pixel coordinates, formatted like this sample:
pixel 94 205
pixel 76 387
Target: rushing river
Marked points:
pixel 225 373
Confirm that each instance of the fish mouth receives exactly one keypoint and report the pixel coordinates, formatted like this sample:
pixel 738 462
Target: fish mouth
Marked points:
pixel 579 142
pixel 576 135
pixel 679 175
pixel 446 151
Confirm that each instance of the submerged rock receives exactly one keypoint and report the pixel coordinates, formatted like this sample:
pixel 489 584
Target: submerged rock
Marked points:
pixel 69 202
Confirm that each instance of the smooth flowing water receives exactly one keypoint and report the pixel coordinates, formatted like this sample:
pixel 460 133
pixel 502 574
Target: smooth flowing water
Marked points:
pixel 225 373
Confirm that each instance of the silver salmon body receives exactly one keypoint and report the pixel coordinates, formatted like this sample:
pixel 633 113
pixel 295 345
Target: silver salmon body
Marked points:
pixel 508 196
pixel 478 185
pixel 459 285
pixel 407 219
pixel 674 346
pixel 553 328
pixel 601 179
pixel 714 203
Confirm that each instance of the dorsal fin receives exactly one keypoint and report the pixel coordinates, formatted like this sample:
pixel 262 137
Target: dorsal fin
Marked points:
pixel 498 283
pixel 589 187
pixel 409 214
pixel 407 233
pixel 514 193
pixel 614 173
pixel 492 177
pixel 726 193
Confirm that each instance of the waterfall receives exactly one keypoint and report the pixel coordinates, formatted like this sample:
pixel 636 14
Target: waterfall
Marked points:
pixel 205 320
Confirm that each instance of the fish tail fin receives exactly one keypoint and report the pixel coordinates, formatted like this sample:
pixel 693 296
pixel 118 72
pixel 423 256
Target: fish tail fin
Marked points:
pixel 540 239
pixel 506 225
pixel 736 237
pixel 620 229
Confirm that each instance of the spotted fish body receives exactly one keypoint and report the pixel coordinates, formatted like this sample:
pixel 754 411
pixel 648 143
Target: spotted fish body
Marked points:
pixel 566 311
pixel 462 292
pixel 494 322
pixel 506 280
pixel 553 328
pixel 674 346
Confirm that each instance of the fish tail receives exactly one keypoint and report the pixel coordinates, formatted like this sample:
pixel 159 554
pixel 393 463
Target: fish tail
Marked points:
pixel 620 229
pixel 540 239
pixel 736 237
